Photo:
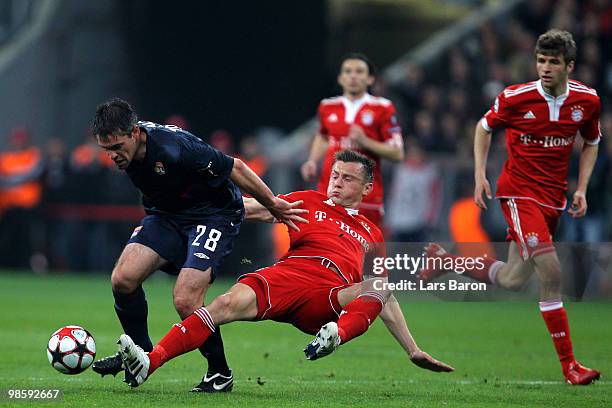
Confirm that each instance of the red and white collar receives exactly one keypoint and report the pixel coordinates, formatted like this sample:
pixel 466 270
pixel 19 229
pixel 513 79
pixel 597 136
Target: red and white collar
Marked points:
pixel 352 107
pixel 350 211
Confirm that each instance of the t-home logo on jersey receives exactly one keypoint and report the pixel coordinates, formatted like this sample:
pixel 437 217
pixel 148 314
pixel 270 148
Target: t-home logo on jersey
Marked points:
pixel 347 228
pixel 552 141
pixel 547 141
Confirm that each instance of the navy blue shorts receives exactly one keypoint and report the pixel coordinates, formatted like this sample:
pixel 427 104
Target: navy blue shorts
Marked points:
pixel 187 244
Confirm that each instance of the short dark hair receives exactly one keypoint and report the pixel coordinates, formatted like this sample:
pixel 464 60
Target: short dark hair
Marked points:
pixel 351 156
pixel 556 42
pixel 358 56
pixel 112 116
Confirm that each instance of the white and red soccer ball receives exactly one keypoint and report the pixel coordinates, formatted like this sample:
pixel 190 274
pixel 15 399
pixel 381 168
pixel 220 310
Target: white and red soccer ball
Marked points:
pixel 71 350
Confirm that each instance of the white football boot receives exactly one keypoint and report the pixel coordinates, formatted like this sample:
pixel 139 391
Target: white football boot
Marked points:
pixel 135 361
pixel 324 343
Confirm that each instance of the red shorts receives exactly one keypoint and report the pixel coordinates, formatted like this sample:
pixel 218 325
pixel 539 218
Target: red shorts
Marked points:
pixel 301 291
pixel 531 225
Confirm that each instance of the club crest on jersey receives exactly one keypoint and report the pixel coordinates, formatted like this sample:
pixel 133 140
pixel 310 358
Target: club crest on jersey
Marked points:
pixel 367 118
pixel 577 113
pixel 159 168
pixel 366 226
pixel 532 239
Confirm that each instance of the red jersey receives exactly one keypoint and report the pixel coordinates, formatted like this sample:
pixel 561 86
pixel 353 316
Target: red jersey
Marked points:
pixel 540 133
pixel 340 235
pixel 377 118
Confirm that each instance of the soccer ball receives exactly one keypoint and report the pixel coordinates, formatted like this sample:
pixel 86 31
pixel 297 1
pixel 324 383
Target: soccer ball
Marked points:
pixel 71 350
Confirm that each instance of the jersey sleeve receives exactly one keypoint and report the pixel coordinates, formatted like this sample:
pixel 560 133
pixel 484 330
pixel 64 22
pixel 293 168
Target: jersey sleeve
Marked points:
pixel 214 166
pixel 293 196
pixel 499 114
pixel 323 131
pixel 390 129
pixel 591 128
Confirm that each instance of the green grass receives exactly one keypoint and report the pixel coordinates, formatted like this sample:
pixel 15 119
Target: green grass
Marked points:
pixel 501 351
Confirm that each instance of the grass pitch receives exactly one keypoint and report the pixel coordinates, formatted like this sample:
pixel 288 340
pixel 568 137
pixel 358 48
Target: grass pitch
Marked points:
pixel 501 351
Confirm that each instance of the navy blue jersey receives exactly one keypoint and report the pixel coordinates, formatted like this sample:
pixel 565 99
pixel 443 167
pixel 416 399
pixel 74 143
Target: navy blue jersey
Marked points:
pixel 184 177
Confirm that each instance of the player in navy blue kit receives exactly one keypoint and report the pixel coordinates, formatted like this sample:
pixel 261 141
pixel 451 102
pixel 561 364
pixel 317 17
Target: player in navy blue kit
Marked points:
pixel 194 209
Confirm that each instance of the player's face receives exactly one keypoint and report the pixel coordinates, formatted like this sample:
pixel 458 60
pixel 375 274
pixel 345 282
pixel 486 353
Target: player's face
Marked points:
pixel 121 147
pixel 347 185
pixel 553 71
pixel 354 77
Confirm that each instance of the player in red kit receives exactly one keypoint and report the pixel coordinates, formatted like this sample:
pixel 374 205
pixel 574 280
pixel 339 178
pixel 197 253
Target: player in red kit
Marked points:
pixel 542 119
pixel 358 121
pixel 317 286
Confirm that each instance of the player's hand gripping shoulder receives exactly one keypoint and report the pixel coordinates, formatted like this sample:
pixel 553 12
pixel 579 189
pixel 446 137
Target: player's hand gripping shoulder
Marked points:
pixel 288 213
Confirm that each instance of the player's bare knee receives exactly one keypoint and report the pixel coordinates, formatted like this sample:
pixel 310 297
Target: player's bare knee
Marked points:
pixel 185 306
pixel 222 308
pixel 511 283
pixel 549 274
pixel 122 283
pixel 348 294
pixel 515 285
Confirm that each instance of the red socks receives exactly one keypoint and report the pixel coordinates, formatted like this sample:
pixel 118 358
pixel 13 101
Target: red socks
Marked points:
pixel 183 337
pixel 358 315
pixel 555 317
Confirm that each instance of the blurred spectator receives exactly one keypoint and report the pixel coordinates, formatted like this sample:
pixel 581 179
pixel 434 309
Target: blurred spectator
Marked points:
pixel 459 70
pixel 534 15
pixel 21 170
pixel 56 191
pixel 252 156
pixel 590 228
pixel 432 99
pixel 424 129
pixel 496 81
pixel 414 199
pixel 410 88
pixel 465 224
pixel 178 121
pixel 222 140
pixel 450 133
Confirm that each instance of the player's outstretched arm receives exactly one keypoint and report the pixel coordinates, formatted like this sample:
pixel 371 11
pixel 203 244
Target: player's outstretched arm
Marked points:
pixel 247 180
pixel 588 157
pixel 393 317
pixel 317 152
pixel 482 142
pixel 257 212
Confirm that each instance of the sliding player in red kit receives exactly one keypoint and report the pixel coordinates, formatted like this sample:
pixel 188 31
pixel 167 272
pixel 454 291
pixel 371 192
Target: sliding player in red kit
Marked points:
pixel 317 286
pixel 359 121
pixel 542 119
